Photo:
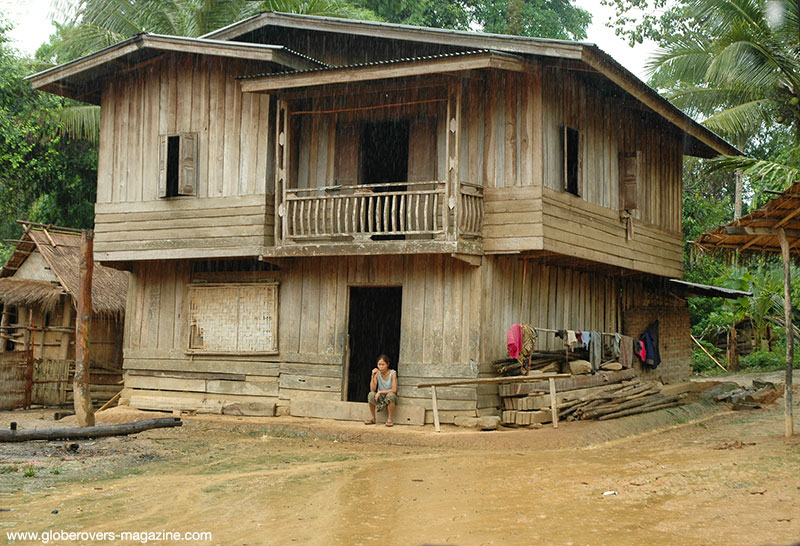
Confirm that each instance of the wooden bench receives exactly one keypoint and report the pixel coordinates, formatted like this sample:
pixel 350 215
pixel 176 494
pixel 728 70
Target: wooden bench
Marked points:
pixel 551 377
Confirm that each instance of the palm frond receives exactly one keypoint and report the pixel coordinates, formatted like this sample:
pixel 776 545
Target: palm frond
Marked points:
pixel 80 122
pixel 778 176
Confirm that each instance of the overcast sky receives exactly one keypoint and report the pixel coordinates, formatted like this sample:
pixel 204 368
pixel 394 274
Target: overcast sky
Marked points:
pixel 32 28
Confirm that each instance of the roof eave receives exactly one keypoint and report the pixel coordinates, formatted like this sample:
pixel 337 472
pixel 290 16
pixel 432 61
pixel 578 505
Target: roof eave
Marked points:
pixel 57 79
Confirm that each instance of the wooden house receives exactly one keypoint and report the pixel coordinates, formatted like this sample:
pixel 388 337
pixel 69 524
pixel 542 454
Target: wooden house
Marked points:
pixel 294 195
pixel 39 284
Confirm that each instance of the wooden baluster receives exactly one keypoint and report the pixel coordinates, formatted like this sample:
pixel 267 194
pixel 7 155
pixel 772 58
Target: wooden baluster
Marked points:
pixel 316 216
pixel 435 210
pixel 361 212
pixel 425 213
pixel 308 218
pixel 302 217
pixel 293 206
pixel 338 221
pixel 371 213
pixel 386 213
pixel 402 225
pixel 415 216
pixel 394 212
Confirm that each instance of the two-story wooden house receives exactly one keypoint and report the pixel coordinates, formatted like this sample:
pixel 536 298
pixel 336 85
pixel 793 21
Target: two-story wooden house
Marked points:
pixel 295 195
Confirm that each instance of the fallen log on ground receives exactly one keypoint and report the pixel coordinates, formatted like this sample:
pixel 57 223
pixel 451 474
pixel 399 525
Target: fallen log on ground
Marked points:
pixel 79 433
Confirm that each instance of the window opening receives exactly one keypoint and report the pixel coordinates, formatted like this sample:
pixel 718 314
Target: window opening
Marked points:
pixel 572 177
pixel 173 155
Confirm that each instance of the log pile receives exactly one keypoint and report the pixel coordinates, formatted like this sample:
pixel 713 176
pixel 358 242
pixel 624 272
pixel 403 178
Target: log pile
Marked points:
pixel 584 398
pixel 627 398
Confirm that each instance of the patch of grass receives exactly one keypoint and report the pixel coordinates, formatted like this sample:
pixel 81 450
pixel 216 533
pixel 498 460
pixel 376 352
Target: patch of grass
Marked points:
pixel 214 488
pixel 286 432
pixel 29 470
pixel 9 469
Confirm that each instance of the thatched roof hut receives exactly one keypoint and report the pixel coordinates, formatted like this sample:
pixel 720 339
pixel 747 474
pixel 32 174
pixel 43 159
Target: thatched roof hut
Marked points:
pixel 60 250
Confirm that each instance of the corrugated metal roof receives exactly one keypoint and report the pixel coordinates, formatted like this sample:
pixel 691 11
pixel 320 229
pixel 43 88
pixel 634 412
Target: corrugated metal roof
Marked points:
pixel 696 289
pixel 379 63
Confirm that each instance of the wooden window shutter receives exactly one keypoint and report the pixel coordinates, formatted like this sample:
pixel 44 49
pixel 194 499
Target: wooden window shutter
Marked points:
pixel 187 166
pixel 162 165
pixel 630 165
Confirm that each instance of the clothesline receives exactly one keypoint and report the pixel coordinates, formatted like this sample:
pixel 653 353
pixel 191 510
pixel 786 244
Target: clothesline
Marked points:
pixel 564 329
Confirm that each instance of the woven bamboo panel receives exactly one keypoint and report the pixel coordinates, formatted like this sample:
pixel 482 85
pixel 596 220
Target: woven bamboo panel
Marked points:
pixel 14 379
pixel 50 380
pixel 236 318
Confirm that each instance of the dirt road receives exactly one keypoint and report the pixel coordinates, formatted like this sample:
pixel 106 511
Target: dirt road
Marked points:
pixel 726 479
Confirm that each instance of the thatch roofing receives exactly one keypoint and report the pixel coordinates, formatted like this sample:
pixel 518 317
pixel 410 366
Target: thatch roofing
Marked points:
pixel 61 249
pixel 758 231
pixel 27 293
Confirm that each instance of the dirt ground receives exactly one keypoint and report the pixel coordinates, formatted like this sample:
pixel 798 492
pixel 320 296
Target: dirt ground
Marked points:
pixel 692 475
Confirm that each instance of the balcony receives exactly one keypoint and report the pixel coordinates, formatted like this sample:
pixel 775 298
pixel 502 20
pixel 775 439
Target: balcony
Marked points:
pixel 361 212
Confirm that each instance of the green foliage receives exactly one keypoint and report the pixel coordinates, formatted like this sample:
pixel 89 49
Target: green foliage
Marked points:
pixel 764 360
pixel 701 363
pixel 542 18
pixel 43 176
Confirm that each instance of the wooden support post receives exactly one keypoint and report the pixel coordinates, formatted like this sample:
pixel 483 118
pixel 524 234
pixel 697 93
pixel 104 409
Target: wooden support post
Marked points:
pixel 435 410
pixel 787 310
pixel 66 320
pixel 553 401
pixel 80 384
pixel 3 324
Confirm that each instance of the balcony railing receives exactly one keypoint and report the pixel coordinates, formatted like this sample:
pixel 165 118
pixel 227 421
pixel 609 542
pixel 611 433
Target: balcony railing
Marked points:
pixel 388 209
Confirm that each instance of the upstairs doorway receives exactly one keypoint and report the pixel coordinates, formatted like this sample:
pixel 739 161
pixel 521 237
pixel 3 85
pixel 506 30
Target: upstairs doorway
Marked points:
pixel 373 329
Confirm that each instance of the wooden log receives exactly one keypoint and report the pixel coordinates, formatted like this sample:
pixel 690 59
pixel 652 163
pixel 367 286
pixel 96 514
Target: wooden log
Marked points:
pixel 641 409
pixel 613 408
pixel 87 432
pixel 82 398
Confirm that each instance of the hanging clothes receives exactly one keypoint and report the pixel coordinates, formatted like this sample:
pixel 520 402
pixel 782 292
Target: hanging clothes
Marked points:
pixel 514 340
pixel 528 344
pixel 585 339
pixel 615 346
pixel 626 351
pixel 640 350
pixel 572 338
pixel 652 353
pixel 596 350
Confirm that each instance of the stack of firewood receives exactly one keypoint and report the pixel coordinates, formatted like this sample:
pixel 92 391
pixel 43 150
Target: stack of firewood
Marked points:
pixel 626 398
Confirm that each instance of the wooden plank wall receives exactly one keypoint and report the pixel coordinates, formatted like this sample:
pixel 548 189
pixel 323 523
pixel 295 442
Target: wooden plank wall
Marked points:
pixel 320 138
pixel 518 290
pixel 609 126
pixel 440 336
pixel 173 94
pixel 502 129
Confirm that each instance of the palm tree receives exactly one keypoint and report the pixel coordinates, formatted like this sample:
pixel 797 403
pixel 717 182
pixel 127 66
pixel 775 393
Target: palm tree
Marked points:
pixel 740 71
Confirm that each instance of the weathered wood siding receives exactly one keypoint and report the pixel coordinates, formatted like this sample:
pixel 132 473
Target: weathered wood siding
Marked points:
pixel 526 291
pixel 439 333
pixel 231 214
pixel 517 137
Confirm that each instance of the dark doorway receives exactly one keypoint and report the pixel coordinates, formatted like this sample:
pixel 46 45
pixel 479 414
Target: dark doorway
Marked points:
pixel 374 329
pixel 384 152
